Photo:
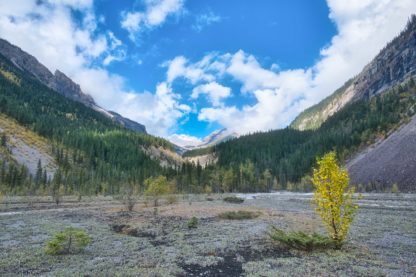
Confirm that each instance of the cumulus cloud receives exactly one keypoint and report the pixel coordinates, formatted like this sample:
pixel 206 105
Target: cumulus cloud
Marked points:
pixel 195 73
pixel 214 91
pixel 364 28
pixel 155 14
pixel 48 31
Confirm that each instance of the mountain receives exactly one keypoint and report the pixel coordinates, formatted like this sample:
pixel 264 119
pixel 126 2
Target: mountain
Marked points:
pixel 183 144
pixel 366 122
pixel 60 82
pixel 394 64
pixel 217 137
pixel 49 140
pixel 82 148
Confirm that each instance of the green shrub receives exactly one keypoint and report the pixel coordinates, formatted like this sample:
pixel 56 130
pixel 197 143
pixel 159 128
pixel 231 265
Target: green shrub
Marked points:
pixel 193 223
pixel 233 199
pixel 238 215
pixel 395 188
pixel 301 240
pixel 71 240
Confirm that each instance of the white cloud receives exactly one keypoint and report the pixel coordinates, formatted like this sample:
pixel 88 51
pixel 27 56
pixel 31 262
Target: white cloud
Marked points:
pixel 49 32
pixel 155 14
pixel 364 28
pixel 215 92
pixel 179 67
pixel 204 20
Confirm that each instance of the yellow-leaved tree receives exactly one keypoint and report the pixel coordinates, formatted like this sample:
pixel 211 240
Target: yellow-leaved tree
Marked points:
pixel 333 200
pixel 158 186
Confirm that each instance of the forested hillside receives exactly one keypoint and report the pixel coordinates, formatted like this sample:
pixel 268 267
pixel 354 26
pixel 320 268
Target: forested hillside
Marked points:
pixel 282 158
pixel 94 154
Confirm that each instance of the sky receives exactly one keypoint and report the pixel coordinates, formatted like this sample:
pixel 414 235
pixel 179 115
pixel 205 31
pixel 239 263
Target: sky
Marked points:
pixel 185 68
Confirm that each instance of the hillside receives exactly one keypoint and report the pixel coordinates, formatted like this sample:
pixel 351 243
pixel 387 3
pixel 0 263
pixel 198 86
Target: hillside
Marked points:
pixel 26 147
pixel 286 156
pixel 79 148
pixel 387 162
pixel 393 65
pixel 60 83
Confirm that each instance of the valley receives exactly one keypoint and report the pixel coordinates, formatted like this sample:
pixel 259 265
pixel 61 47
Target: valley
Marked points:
pixel 250 161
pixel 140 243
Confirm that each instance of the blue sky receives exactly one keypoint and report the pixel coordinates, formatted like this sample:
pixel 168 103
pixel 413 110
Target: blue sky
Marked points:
pixel 185 68
pixel 287 33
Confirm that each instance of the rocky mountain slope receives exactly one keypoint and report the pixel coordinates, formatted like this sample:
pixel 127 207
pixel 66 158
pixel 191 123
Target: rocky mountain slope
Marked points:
pixel 61 83
pixel 390 161
pixel 25 147
pixel 218 137
pixel 393 65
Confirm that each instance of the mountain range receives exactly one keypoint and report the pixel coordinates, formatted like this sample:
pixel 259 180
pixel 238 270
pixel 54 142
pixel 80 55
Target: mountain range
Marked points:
pixel 55 134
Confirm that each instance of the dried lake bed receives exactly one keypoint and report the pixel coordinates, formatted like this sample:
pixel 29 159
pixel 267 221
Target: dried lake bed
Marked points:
pixel 382 240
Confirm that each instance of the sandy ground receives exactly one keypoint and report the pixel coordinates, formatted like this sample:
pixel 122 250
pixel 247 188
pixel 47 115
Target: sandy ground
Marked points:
pixel 382 241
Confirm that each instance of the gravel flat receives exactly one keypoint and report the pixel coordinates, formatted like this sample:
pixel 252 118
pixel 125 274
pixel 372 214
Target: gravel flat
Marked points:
pixel 382 240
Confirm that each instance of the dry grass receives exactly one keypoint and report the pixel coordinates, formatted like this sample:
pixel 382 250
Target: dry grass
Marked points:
pixel 17 131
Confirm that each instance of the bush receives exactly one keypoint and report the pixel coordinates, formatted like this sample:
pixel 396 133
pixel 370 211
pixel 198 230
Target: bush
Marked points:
pixel 193 223
pixel 239 215
pixel 332 199
pixel 395 189
pixel 233 199
pixel 158 186
pixel 301 240
pixel 71 240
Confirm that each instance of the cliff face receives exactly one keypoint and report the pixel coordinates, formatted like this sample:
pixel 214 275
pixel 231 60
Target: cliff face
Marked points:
pixel 61 83
pixel 69 89
pixel 393 65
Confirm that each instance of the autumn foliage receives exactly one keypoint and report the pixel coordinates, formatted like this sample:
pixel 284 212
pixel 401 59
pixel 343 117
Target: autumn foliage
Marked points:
pixel 333 200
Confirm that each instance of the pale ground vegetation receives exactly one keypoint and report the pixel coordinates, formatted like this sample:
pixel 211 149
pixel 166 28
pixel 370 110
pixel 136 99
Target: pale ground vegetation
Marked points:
pixel 382 240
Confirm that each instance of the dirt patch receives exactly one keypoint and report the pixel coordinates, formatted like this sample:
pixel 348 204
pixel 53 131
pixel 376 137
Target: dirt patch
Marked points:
pixel 231 263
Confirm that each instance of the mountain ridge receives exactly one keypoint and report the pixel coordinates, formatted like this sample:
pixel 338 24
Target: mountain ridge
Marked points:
pixel 392 65
pixel 60 83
